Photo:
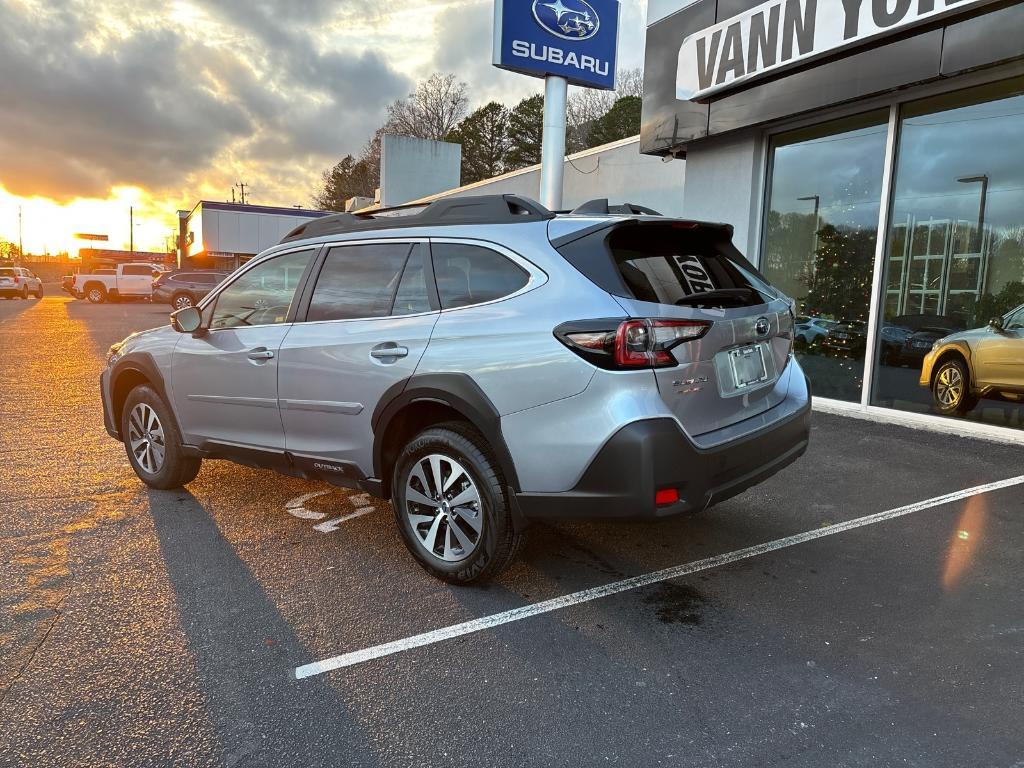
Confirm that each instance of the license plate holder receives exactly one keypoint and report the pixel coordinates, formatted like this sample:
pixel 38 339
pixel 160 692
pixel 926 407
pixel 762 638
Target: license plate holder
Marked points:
pixel 748 366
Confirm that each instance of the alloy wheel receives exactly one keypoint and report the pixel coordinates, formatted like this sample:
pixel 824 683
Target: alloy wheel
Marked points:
pixel 146 438
pixel 949 388
pixel 443 507
pixel 183 302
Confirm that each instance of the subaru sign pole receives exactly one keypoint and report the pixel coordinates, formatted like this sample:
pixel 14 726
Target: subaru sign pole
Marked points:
pixel 563 41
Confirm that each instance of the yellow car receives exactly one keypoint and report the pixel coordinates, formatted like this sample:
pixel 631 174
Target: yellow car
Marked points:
pixel 982 362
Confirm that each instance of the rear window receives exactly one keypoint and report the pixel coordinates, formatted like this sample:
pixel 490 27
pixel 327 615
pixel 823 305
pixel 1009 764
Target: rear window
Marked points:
pixel 137 269
pixel 7 272
pixel 471 274
pixel 679 264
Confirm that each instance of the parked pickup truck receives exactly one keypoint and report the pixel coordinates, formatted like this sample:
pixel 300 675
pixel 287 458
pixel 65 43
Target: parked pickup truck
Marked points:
pixel 129 281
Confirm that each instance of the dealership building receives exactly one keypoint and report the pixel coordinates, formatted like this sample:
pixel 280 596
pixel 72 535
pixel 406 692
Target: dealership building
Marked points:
pixel 869 155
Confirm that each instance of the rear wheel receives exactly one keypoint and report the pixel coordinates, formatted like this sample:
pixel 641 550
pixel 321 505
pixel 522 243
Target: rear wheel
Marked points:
pixel 182 301
pixel 96 294
pixel 951 389
pixel 153 443
pixel 449 498
pixel 24 293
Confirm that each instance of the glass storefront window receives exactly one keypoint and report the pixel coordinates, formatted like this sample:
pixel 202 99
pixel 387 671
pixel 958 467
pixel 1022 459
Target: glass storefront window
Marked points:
pixel 820 232
pixel 955 259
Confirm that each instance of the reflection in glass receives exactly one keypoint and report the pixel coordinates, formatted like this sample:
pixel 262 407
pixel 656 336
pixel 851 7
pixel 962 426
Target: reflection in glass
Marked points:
pixel 955 259
pixel 820 233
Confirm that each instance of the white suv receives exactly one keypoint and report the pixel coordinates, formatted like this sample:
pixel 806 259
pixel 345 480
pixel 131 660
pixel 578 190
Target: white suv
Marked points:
pixel 18 282
pixel 482 362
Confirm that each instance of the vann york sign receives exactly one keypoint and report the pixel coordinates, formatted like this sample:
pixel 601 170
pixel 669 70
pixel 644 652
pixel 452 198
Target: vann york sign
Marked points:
pixel 782 33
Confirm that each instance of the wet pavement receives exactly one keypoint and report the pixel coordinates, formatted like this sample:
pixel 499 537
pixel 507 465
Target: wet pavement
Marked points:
pixel 163 628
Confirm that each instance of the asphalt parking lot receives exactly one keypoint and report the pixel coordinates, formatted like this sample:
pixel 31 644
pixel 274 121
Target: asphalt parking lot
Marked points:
pixel 167 628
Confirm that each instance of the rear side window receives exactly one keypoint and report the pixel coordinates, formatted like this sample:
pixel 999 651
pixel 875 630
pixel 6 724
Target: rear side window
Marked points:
pixel 471 274
pixel 358 281
pixel 680 265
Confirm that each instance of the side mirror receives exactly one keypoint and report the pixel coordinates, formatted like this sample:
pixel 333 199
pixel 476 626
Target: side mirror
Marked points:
pixel 996 324
pixel 187 320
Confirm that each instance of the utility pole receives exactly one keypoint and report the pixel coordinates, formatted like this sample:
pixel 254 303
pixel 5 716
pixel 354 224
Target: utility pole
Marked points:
pixel 241 186
pixel 21 245
pixel 131 229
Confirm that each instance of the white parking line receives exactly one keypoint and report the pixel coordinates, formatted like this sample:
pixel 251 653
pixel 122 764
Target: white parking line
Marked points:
pixel 586 595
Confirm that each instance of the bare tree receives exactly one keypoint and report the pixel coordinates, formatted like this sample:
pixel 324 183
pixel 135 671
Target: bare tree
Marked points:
pixel 587 105
pixel 432 111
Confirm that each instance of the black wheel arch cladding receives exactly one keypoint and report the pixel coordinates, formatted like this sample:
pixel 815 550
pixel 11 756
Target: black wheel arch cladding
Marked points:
pixel 456 391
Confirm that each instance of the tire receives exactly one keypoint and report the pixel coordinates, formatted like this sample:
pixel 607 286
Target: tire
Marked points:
pixel 39 293
pixel 147 424
pixel 951 388
pixel 182 301
pixel 96 294
pixel 24 293
pixel 444 539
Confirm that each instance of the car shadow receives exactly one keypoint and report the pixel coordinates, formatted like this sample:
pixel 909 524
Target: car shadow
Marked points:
pixel 245 652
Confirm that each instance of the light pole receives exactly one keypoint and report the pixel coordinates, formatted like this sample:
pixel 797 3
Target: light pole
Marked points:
pixel 983 180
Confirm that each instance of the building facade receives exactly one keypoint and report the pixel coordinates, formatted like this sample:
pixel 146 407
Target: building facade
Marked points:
pixel 869 155
pixel 617 171
pixel 223 235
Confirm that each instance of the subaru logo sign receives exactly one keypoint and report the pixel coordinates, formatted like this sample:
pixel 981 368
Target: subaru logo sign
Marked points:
pixel 571 20
pixel 762 327
pixel 574 39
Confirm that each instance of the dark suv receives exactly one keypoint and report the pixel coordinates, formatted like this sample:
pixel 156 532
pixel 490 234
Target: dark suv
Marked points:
pixel 185 289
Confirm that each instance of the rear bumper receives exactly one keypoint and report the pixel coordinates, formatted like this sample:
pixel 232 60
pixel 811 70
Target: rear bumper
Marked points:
pixel 654 454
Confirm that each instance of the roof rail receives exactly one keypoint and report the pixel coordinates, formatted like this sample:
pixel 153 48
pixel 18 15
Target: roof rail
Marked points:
pixel 479 209
pixel 600 207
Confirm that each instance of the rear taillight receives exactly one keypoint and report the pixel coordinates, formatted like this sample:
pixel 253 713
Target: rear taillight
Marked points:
pixel 630 344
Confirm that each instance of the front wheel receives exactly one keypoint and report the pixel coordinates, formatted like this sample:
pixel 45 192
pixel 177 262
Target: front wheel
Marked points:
pixel 951 389
pixel 153 443
pixel 449 499
pixel 39 293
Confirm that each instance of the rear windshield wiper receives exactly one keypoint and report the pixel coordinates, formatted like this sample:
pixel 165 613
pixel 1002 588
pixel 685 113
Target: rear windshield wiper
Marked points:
pixel 736 297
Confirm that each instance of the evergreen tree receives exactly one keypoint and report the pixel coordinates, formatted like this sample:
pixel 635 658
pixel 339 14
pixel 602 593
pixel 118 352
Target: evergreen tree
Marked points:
pixel 525 132
pixel 484 139
pixel 620 122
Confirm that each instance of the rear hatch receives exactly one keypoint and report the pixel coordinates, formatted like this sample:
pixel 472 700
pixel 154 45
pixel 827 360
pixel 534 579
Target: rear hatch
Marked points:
pixel 669 271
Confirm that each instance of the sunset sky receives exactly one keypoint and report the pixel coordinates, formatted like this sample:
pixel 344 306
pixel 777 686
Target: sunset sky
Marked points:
pixel 157 105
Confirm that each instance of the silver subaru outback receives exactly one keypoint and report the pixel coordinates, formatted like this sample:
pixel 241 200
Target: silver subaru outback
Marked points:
pixel 482 362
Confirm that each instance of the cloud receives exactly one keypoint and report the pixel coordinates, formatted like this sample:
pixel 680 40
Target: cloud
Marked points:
pixel 185 98
pixel 92 106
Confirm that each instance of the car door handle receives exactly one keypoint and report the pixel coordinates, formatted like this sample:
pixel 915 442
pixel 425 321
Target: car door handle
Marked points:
pixel 261 354
pixel 388 351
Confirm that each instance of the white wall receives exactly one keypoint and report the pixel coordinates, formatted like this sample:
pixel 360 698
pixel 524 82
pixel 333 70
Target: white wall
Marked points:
pixel 412 168
pixel 617 171
pixel 724 180
pixel 242 231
